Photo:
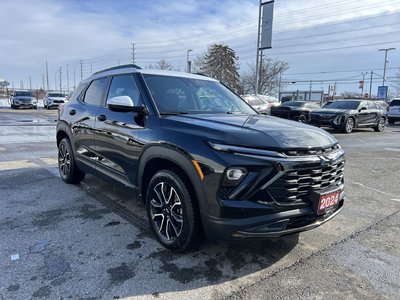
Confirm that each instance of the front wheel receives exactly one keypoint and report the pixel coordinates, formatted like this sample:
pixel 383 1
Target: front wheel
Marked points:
pixel 381 125
pixel 348 125
pixel 303 118
pixel 172 211
pixel 69 172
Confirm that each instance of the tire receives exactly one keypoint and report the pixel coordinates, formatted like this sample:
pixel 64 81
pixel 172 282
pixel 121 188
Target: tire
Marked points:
pixel 381 125
pixel 69 172
pixel 176 224
pixel 348 125
pixel 302 118
pixel 44 105
pixel 35 107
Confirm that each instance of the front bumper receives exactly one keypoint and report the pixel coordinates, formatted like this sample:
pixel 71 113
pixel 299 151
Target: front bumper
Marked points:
pixel 282 202
pixel 271 225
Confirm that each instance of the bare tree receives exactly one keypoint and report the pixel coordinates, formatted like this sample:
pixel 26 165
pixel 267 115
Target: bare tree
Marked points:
pixel 270 77
pixel 219 62
pixel 161 65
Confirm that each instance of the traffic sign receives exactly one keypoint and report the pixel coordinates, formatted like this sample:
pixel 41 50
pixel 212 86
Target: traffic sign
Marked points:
pixel 382 92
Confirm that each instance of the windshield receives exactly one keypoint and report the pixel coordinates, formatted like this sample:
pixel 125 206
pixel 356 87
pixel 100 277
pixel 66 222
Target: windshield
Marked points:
pixel 179 95
pixel 343 105
pixel 293 104
pixel 56 95
pixel 24 94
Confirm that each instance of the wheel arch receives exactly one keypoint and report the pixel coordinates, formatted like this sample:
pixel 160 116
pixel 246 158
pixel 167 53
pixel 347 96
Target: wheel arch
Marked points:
pixel 156 158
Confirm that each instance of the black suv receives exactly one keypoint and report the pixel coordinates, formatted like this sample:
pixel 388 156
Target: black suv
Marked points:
pixel 199 157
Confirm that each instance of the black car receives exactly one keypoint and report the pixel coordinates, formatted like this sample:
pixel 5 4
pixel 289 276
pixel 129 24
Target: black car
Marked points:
pixel 200 158
pixel 345 115
pixel 295 110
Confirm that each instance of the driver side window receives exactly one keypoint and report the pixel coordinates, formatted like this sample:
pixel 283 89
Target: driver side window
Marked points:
pixel 125 85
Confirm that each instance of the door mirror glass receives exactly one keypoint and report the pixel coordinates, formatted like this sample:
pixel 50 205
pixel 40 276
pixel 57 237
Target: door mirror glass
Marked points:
pixel 363 108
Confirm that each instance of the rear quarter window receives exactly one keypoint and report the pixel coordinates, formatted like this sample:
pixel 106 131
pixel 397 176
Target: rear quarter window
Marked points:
pixel 395 103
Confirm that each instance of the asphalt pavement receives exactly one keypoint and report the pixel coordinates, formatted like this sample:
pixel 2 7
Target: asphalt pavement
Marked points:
pixel 92 240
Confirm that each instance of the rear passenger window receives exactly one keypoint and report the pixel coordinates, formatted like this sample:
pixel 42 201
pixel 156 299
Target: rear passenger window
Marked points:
pixel 94 94
pixel 124 85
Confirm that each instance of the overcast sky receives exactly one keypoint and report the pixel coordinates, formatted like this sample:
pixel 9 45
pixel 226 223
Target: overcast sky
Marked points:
pixel 324 41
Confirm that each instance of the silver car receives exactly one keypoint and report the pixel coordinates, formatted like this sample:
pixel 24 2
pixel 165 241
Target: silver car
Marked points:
pixel 394 111
pixel 53 99
pixel 261 106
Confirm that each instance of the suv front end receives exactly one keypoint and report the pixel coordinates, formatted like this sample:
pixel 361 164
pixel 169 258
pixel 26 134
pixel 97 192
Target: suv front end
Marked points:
pixel 269 193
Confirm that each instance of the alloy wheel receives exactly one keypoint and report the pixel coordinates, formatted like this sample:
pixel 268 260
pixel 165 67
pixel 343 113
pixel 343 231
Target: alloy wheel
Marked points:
pixel 64 161
pixel 349 125
pixel 381 124
pixel 166 211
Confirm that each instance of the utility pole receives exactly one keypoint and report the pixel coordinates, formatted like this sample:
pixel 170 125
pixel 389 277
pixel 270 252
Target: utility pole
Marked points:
pixel 258 51
pixel 370 85
pixel 133 53
pixel 81 69
pixel 30 83
pixel 47 76
pixel 74 79
pixel 188 62
pixel 43 86
pixel 309 96
pixel 384 65
pixel 60 81
pixel 67 78
pixel 362 85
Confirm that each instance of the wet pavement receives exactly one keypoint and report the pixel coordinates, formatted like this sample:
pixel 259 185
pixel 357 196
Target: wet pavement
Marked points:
pixel 91 241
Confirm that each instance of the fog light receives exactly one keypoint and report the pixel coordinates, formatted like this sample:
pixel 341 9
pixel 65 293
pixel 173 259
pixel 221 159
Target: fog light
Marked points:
pixel 234 174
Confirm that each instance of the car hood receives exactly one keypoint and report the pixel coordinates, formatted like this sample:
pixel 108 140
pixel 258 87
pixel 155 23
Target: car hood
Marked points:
pixel 257 131
pixel 24 98
pixel 56 98
pixel 327 111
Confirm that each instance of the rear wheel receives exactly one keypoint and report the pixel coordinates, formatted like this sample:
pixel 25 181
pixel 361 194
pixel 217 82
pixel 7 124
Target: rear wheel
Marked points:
pixel 69 172
pixel 348 125
pixel 381 125
pixel 172 211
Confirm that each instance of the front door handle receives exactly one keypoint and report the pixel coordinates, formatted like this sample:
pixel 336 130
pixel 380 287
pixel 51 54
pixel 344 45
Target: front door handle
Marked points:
pixel 101 118
pixel 72 112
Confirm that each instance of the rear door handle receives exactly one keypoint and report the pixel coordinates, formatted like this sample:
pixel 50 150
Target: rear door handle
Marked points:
pixel 72 112
pixel 101 118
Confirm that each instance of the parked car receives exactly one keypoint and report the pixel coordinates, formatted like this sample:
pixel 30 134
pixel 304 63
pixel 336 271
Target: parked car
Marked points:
pixel 345 115
pixel 295 110
pixel 271 100
pixel 199 157
pixel 53 100
pixel 260 105
pixel 23 99
pixel 394 111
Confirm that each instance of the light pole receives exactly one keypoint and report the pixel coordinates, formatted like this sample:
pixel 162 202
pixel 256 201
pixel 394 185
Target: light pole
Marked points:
pixel 362 85
pixel 384 66
pixel 188 62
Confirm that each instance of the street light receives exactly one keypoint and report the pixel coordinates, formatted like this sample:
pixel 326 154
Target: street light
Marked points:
pixel 188 62
pixel 363 81
pixel 384 66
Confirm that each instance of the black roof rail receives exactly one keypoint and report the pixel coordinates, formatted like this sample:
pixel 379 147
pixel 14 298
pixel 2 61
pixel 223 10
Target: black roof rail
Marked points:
pixel 118 67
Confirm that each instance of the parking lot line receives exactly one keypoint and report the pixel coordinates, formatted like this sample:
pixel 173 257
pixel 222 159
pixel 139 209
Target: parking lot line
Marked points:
pixel 392 149
pixel 372 189
pixel 16 164
pixel 3 149
pixel 49 161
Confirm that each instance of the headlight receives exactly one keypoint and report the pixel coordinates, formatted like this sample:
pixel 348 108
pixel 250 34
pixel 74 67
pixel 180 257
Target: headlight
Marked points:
pixel 338 120
pixel 34 101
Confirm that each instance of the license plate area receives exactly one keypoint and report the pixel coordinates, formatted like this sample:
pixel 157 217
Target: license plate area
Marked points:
pixel 328 202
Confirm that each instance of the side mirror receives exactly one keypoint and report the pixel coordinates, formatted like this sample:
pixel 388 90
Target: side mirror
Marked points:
pixel 363 108
pixel 124 103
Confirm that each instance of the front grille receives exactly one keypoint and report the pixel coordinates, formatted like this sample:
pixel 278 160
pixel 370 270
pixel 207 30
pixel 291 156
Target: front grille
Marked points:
pixel 294 187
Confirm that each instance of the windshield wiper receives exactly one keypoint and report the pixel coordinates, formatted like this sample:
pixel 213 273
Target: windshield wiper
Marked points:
pixel 233 112
pixel 173 113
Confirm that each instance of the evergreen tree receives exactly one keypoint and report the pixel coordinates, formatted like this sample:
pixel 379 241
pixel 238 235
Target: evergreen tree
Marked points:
pixel 219 62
